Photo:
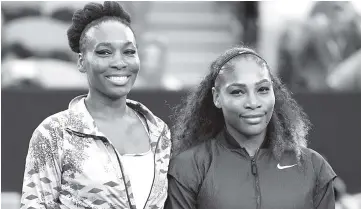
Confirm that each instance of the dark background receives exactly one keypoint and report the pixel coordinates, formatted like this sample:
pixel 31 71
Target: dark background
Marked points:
pixel 336 131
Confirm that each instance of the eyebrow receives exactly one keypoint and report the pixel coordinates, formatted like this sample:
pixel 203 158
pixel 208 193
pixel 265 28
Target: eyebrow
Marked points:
pixel 244 85
pixel 110 44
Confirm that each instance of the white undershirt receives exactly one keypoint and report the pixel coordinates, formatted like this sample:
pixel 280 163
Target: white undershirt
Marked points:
pixel 140 169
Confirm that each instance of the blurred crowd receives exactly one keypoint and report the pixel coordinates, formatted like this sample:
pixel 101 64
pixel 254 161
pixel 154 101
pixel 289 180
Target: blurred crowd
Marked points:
pixel 35 52
pixel 320 53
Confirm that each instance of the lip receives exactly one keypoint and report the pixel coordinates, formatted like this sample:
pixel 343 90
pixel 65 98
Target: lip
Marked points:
pixel 258 115
pixel 252 119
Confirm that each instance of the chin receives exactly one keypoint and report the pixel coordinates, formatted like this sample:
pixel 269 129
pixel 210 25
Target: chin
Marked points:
pixel 253 131
pixel 118 93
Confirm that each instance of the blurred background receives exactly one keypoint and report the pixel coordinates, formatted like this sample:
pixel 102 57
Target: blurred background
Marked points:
pixel 314 47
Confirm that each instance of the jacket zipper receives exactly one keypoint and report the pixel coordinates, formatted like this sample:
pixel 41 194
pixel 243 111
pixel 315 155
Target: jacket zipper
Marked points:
pixel 120 164
pixel 151 188
pixel 154 168
pixel 121 169
pixel 254 171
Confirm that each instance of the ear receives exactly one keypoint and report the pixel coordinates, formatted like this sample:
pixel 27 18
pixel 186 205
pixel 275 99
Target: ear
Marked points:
pixel 215 94
pixel 80 64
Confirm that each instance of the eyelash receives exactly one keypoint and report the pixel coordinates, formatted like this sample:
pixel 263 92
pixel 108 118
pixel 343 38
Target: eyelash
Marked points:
pixel 106 52
pixel 261 90
pixel 130 52
pixel 264 89
pixel 103 52
pixel 237 92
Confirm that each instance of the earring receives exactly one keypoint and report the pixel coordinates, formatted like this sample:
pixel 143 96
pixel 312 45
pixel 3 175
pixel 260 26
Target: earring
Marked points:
pixel 81 68
pixel 216 103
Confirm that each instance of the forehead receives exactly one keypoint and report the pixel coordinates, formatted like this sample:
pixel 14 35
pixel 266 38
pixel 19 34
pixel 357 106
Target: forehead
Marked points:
pixel 246 71
pixel 111 31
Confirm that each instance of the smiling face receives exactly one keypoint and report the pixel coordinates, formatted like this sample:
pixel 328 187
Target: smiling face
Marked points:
pixel 244 92
pixel 110 59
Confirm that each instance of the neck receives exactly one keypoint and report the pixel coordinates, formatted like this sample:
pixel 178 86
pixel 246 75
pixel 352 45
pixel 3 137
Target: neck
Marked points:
pixel 103 107
pixel 250 143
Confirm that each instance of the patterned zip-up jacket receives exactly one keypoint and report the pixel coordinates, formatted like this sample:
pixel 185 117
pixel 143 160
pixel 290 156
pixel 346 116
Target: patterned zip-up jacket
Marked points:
pixel 71 164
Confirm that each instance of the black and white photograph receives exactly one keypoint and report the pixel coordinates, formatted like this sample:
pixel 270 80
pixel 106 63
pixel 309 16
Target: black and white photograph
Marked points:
pixel 181 104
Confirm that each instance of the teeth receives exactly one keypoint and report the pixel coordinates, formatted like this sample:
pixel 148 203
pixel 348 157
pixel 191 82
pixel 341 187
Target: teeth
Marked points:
pixel 118 78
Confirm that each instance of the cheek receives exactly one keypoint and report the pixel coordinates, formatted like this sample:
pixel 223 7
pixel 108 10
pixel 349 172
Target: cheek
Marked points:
pixel 269 101
pixel 134 64
pixel 96 65
pixel 231 106
pixel 269 104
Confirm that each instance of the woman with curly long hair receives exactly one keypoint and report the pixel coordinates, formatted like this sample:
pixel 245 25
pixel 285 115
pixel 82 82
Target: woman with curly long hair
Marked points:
pixel 240 142
pixel 104 151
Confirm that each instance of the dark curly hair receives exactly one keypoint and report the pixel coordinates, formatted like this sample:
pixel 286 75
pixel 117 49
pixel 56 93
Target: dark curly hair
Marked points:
pixel 91 15
pixel 197 119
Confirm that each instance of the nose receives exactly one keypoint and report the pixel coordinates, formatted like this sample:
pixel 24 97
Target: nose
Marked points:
pixel 118 63
pixel 252 102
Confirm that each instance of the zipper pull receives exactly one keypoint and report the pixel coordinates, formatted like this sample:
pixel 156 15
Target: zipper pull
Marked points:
pixel 254 167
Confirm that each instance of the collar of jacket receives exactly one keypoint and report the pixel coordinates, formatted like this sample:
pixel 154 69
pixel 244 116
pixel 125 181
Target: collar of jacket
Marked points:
pixel 81 122
pixel 225 138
